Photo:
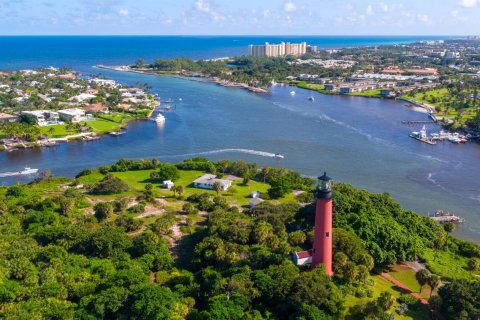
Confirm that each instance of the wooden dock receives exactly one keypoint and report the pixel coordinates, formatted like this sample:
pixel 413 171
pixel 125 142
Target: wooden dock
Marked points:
pixel 418 122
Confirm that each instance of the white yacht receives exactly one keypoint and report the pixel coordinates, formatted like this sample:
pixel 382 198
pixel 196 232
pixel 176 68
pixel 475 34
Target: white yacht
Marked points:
pixel 28 170
pixel 278 156
pixel 160 118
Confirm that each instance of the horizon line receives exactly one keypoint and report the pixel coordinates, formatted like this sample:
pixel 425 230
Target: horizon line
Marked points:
pixel 231 35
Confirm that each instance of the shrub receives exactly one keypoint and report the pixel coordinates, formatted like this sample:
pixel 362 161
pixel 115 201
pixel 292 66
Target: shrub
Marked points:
pixel 138 208
pixel 103 210
pixel 110 185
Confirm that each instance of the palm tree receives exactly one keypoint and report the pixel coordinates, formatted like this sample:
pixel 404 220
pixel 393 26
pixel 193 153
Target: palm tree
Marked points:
pixel 217 186
pixel 433 282
pixel 179 190
pixel 265 173
pixel 422 277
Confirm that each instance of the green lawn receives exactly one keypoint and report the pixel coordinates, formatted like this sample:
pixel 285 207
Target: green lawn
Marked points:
pixel 102 126
pixel 425 98
pixel 238 194
pixel 316 87
pixel 59 131
pixel 406 275
pixel 381 285
pixel 368 93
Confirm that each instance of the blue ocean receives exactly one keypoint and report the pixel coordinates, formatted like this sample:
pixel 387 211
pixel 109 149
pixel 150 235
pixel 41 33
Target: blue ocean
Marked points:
pixel 84 51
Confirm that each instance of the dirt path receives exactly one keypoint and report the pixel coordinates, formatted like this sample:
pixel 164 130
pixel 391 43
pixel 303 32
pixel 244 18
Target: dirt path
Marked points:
pixel 404 287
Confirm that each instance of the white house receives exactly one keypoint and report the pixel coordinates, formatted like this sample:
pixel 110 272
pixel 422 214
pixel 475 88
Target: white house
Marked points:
pixel 208 180
pixel 82 97
pixel 73 115
pixel 167 184
pixel 44 117
pixel 302 258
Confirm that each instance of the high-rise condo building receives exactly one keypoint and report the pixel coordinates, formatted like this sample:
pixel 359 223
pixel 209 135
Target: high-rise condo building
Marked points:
pixel 277 50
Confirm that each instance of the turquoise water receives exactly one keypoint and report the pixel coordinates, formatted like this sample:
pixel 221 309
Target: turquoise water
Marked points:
pixel 357 140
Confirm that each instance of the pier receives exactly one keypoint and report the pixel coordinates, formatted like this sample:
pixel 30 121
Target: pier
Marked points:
pixel 418 122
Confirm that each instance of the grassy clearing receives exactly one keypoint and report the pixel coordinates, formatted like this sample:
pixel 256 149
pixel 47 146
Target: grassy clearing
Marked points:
pixel 449 265
pixel 382 285
pixel 238 194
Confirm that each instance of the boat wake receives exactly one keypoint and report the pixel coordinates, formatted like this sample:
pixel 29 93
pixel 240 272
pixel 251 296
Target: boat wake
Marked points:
pixel 206 153
pixel 8 174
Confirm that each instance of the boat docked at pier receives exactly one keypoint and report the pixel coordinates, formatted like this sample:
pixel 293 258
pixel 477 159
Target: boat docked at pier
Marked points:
pixel 445 216
pixel 422 136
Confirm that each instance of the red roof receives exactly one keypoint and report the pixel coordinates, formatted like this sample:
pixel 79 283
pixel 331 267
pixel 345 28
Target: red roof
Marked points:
pixel 304 254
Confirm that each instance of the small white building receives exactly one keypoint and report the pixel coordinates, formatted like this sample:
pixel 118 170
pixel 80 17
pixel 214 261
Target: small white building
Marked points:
pixel 302 258
pixel 255 194
pixel 254 202
pixel 167 184
pixel 73 115
pixel 208 180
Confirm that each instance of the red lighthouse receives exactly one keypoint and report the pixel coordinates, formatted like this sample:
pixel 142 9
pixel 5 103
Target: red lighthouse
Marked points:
pixel 322 243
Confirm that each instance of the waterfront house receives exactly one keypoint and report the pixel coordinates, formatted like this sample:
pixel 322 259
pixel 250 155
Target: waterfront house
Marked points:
pixel 44 117
pixel 73 115
pixel 387 93
pixel 208 180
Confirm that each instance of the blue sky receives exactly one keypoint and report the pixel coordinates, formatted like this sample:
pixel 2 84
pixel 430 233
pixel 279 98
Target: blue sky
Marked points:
pixel 245 17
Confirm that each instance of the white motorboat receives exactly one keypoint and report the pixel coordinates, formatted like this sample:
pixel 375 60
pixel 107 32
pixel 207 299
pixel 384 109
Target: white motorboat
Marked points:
pixel 28 170
pixel 160 118
pixel 278 156
pixel 292 93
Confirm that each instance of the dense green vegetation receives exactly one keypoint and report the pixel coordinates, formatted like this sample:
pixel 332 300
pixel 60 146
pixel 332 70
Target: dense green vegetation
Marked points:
pixel 256 71
pixel 105 245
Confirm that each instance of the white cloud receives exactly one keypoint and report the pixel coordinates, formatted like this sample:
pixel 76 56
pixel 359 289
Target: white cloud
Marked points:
pixel 370 10
pixel 457 17
pixel 205 7
pixel 384 6
pixel 289 7
pixel 468 3
pixel 424 18
pixel 124 12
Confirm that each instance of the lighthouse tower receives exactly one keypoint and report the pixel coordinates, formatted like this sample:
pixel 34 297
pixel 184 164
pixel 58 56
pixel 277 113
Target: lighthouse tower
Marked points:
pixel 322 243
